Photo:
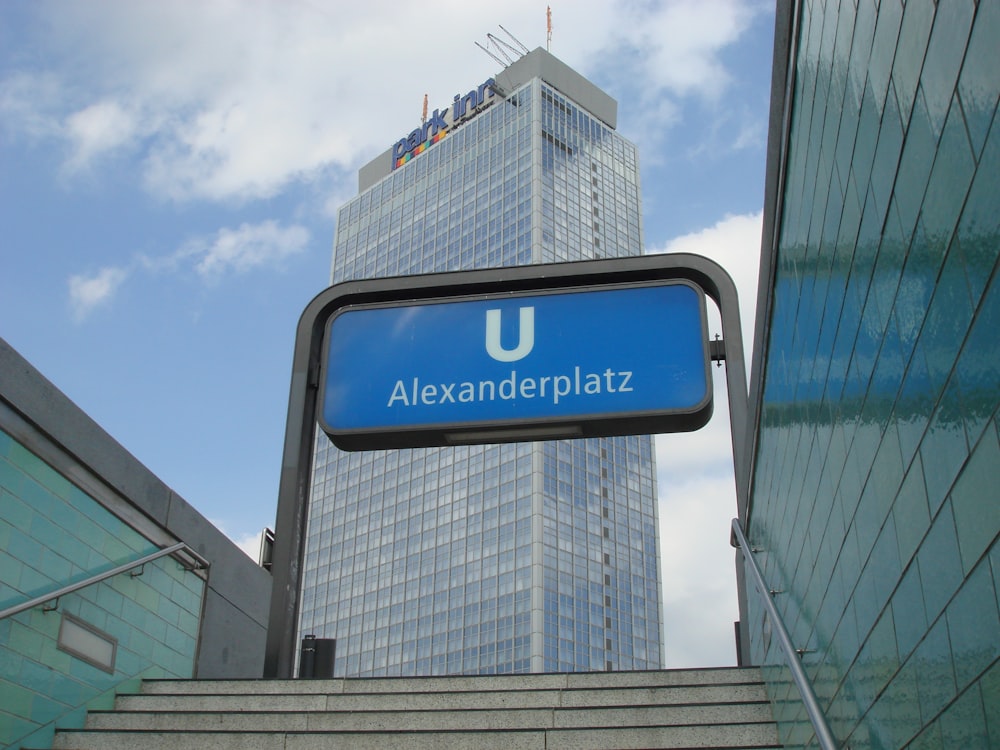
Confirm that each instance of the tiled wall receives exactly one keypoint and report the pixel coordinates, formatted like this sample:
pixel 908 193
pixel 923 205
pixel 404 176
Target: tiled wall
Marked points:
pixel 52 533
pixel 876 499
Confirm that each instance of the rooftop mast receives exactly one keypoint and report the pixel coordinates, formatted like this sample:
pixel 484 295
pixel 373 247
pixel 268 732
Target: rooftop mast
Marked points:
pixel 503 52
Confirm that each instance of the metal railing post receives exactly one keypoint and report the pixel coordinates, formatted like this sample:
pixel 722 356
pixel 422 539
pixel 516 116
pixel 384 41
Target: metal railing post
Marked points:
pixel 202 563
pixel 823 734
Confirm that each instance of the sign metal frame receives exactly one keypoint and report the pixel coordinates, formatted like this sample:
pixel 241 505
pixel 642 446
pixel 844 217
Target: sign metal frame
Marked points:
pixel 301 425
pixel 669 387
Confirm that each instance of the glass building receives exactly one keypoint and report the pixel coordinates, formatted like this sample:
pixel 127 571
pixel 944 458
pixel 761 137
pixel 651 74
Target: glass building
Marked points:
pixel 530 557
pixel 875 504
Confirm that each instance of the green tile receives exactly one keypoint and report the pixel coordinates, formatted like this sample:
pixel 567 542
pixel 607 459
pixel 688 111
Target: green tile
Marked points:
pixel 147 597
pixel 14 512
pixel 25 640
pixel 35 677
pixel 929 739
pixel 189 623
pixel 187 598
pixel 944 448
pixel 904 704
pixel 172 662
pixel 883 651
pixel 12 479
pixel 43 737
pixel 990 687
pixel 32 465
pixel 980 222
pixel 935 673
pixel 47 533
pixel 945 52
pixel 115 551
pixel 940 563
pixel 885 558
pixel 6 441
pixel 180 642
pixel 908 612
pixel 10 662
pixel 954 167
pixel 153 629
pixel 914 33
pixel 133 613
pixel 914 166
pixel 88 532
pixel 974 626
pixel 46 624
pixel 91 613
pixel 14 729
pixel 109 600
pixel 890 16
pixel 976 369
pixel 56 566
pixel 979 81
pixel 947 320
pixel 52 657
pixel 974 501
pixel 168 610
pixel 910 512
pixel 963 725
pixel 879 721
pixel 15 698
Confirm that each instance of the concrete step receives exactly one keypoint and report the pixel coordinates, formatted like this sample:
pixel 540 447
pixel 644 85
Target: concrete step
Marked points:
pixel 755 736
pixel 458 700
pixel 725 708
pixel 509 683
pixel 434 719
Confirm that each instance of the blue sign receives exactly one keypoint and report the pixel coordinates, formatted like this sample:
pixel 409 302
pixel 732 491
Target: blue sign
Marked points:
pixel 565 358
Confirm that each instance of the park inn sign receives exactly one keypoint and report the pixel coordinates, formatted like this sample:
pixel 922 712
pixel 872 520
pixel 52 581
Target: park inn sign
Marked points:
pixel 441 121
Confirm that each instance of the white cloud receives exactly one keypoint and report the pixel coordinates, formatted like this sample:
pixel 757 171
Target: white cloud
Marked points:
pixel 237 100
pixel 89 292
pixel 96 130
pixel 681 41
pixel 696 482
pixel 28 102
pixel 245 248
pixel 240 250
pixel 733 243
pixel 250 544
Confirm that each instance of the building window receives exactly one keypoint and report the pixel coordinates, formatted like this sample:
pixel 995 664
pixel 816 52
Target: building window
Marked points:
pixel 87 643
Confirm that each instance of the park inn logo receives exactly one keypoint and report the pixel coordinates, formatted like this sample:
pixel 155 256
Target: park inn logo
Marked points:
pixel 442 121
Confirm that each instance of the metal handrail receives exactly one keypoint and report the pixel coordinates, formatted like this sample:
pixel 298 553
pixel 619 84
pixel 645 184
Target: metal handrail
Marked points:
pixel 202 564
pixel 823 734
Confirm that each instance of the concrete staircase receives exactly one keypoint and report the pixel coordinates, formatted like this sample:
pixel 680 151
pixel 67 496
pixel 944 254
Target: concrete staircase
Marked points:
pixel 716 708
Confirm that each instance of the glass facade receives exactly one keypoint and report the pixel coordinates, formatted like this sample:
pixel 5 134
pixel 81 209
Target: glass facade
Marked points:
pixel 874 498
pixel 525 557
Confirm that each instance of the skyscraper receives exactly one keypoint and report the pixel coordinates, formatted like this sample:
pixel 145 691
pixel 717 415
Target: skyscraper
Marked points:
pixel 525 557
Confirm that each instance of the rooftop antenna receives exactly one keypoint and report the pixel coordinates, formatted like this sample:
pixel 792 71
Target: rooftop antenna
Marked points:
pixel 423 116
pixel 499 61
pixel 548 28
pixel 516 41
pixel 503 52
pixel 503 49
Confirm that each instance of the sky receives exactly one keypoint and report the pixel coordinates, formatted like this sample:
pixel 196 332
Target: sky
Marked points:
pixel 169 179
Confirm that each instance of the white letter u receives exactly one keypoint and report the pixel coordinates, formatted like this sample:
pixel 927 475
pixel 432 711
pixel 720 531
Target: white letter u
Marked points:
pixel 525 336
